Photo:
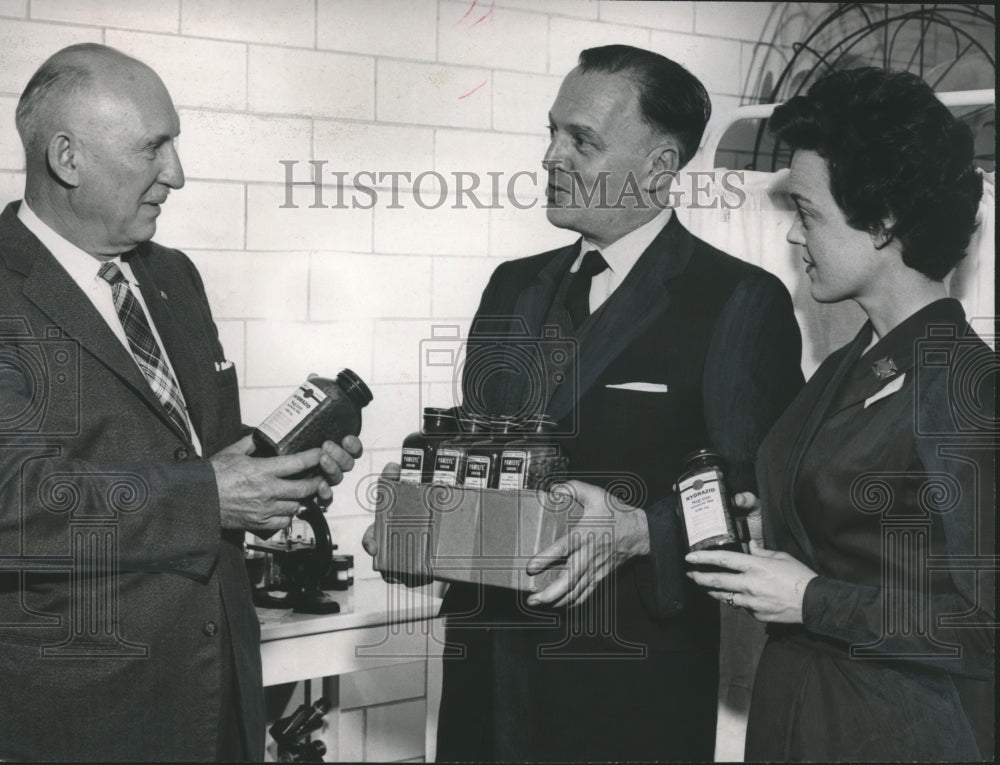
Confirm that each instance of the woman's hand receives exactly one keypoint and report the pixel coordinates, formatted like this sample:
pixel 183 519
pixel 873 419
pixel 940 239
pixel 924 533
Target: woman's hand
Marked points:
pixel 770 585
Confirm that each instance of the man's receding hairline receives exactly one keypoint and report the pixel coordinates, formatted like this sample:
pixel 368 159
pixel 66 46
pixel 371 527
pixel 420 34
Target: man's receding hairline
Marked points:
pixel 98 66
pixel 86 55
pixel 103 67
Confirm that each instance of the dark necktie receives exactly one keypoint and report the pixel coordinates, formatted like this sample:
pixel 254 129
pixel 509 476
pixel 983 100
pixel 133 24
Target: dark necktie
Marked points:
pixel 144 346
pixel 578 294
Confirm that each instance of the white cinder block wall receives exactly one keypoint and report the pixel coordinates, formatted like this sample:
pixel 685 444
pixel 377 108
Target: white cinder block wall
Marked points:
pixel 382 86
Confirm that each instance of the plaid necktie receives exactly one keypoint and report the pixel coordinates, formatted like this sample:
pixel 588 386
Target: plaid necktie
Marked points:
pixel 578 294
pixel 144 346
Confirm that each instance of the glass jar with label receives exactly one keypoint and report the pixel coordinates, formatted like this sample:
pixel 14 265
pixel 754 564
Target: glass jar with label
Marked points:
pixel 483 458
pixel 449 461
pixel 705 504
pixel 320 410
pixel 420 448
pixel 533 459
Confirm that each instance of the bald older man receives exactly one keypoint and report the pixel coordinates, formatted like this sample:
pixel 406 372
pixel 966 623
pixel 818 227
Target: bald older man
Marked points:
pixel 127 630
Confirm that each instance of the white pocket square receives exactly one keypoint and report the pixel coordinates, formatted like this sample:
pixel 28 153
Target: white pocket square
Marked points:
pixel 642 387
pixel 888 390
pixel 222 366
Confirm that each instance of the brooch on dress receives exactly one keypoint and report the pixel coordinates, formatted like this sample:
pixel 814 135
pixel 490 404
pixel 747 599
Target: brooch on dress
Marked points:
pixel 884 368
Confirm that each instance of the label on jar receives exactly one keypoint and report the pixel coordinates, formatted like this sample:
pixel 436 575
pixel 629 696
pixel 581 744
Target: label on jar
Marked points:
pixel 477 472
pixel 411 469
pixel 446 466
pixel 513 469
pixel 296 408
pixel 704 507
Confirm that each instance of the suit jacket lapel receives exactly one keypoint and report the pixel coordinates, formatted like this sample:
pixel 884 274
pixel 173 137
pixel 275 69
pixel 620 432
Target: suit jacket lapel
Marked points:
pixel 820 411
pixel 533 303
pixel 862 383
pixel 55 293
pixel 638 302
pixel 530 309
pixel 893 355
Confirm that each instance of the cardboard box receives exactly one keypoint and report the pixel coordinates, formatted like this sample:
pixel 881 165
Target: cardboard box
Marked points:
pixel 467 535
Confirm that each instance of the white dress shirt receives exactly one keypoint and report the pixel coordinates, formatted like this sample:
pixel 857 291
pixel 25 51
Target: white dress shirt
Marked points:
pixel 620 256
pixel 82 269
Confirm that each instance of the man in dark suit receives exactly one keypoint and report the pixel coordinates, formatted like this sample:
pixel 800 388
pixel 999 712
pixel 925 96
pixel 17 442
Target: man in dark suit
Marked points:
pixel 678 346
pixel 127 630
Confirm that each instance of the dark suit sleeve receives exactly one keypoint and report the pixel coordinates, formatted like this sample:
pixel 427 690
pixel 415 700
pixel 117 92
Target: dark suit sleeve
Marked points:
pixel 752 372
pixel 961 597
pixel 161 511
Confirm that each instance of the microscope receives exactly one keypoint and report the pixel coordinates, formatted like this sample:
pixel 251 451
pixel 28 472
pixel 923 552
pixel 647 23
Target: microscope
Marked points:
pixel 301 569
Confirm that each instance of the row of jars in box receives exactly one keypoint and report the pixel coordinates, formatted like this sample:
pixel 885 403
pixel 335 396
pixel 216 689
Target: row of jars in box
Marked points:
pixel 480 452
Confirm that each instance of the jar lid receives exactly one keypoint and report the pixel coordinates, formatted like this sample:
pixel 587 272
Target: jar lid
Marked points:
pixel 505 424
pixel 471 422
pixel 703 454
pixel 476 423
pixel 439 421
pixel 355 387
pixel 540 423
pixel 437 411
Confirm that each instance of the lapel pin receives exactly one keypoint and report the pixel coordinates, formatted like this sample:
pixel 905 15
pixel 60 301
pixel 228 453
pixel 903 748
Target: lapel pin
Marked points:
pixel 163 294
pixel 884 368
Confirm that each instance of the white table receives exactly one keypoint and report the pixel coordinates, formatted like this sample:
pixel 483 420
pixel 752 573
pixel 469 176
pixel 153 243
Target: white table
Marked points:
pixel 379 624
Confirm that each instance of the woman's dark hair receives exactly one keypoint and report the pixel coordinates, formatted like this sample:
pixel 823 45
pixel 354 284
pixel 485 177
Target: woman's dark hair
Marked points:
pixel 899 161
pixel 671 99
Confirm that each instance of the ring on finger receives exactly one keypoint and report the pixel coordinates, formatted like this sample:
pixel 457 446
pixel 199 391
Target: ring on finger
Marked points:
pixel 730 599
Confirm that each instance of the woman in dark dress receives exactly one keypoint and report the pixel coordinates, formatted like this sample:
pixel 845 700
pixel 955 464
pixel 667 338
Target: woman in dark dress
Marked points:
pixel 877 483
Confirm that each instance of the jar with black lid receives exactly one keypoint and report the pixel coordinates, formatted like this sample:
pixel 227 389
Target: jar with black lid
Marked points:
pixel 483 458
pixel 320 410
pixel 449 462
pixel 705 504
pixel 529 461
pixel 420 448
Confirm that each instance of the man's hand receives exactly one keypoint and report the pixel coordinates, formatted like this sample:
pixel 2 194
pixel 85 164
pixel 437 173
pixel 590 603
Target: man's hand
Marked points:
pixel 748 503
pixel 590 552
pixel 258 495
pixel 370 544
pixel 770 585
pixel 334 462
pixel 390 473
